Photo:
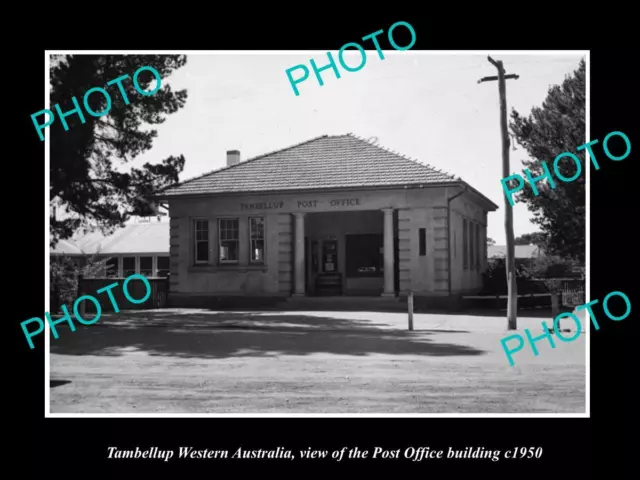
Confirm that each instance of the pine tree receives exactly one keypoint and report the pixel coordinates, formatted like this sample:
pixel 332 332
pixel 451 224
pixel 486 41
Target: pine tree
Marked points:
pixel 87 175
pixel 558 126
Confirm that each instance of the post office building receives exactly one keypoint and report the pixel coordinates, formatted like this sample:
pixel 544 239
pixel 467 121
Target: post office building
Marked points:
pixel 332 216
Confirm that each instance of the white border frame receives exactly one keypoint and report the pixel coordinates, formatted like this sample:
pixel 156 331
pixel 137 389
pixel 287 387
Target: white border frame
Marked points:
pixel 47 406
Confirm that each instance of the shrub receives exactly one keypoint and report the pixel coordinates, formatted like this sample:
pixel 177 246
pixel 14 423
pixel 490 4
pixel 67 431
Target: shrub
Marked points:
pixel 494 278
pixel 553 266
pixel 63 277
pixel 550 269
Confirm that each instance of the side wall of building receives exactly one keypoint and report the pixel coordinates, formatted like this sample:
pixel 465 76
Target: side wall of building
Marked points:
pixel 468 231
pixel 423 273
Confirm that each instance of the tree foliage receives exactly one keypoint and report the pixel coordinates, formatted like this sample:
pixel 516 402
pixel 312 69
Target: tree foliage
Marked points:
pixel 494 278
pixel 553 266
pixel 91 172
pixel 535 238
pixel 551 269
pixel 64 273
pixel 557 127
pixel 534 275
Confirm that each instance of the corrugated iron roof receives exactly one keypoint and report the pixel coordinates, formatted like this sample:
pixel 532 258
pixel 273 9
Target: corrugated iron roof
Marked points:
pixel 521 251
pixel 66 247
pixel 134 238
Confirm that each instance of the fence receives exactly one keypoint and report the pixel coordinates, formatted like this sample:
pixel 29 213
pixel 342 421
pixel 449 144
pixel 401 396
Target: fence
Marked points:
pixel 573 293
pixel 499 302
pixel 568 293
pixel 135 288
pixel 526 286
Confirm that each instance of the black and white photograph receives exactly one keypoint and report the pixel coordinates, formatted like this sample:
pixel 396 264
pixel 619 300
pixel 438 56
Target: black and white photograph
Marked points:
pixel 313 233
pixel 397 242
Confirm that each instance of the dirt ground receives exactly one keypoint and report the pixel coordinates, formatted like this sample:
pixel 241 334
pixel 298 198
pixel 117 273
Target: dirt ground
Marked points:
pixel 200 361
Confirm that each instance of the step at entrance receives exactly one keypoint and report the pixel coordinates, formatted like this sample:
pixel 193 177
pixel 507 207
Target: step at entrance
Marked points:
pixel 329 284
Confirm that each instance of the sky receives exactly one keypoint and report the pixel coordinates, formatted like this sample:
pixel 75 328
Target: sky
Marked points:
pixel 426 106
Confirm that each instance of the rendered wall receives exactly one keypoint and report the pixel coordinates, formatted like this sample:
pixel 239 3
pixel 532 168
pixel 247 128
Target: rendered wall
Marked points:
pixel 415 208
pixel 469 280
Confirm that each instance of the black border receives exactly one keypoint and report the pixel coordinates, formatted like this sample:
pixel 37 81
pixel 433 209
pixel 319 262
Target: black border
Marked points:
pixel 77 447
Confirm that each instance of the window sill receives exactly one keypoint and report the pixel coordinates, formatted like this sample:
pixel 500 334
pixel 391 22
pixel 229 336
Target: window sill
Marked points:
pixel 227 268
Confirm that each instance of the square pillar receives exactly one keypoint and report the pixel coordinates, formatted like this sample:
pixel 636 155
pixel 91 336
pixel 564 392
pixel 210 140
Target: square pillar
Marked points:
pixel 389 260
pixel 298 259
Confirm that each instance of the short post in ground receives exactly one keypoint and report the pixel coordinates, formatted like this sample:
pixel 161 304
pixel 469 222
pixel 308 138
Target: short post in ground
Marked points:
pixel 410 308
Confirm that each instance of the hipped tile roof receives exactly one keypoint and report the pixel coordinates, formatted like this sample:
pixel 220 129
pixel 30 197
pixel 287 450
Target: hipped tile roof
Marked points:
pixel 323 162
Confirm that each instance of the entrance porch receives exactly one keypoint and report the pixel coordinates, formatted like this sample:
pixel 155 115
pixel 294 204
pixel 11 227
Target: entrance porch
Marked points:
pixel 346 253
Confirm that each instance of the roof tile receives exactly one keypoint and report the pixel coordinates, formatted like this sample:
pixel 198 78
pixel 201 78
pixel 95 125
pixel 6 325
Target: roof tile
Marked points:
pixel 322 162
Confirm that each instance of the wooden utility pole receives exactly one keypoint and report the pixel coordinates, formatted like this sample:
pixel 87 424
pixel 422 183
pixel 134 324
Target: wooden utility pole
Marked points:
pixel 512 303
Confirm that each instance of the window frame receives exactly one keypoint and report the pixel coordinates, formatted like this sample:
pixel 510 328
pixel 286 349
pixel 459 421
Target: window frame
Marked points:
pixel 472 259
pixel 139 270
pixel 465 241
pixel 157 268
pixel 196 241
pixel 422 242
pixel 118 266
pixel 485 247
pixel 455 245
pixel 477 245
pixel 353 240
pixel 237 240
pixel 251 239
pixel 135 264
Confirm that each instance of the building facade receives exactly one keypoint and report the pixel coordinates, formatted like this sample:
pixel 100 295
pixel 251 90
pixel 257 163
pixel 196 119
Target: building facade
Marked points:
pixel 141 246
pixel 335 215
